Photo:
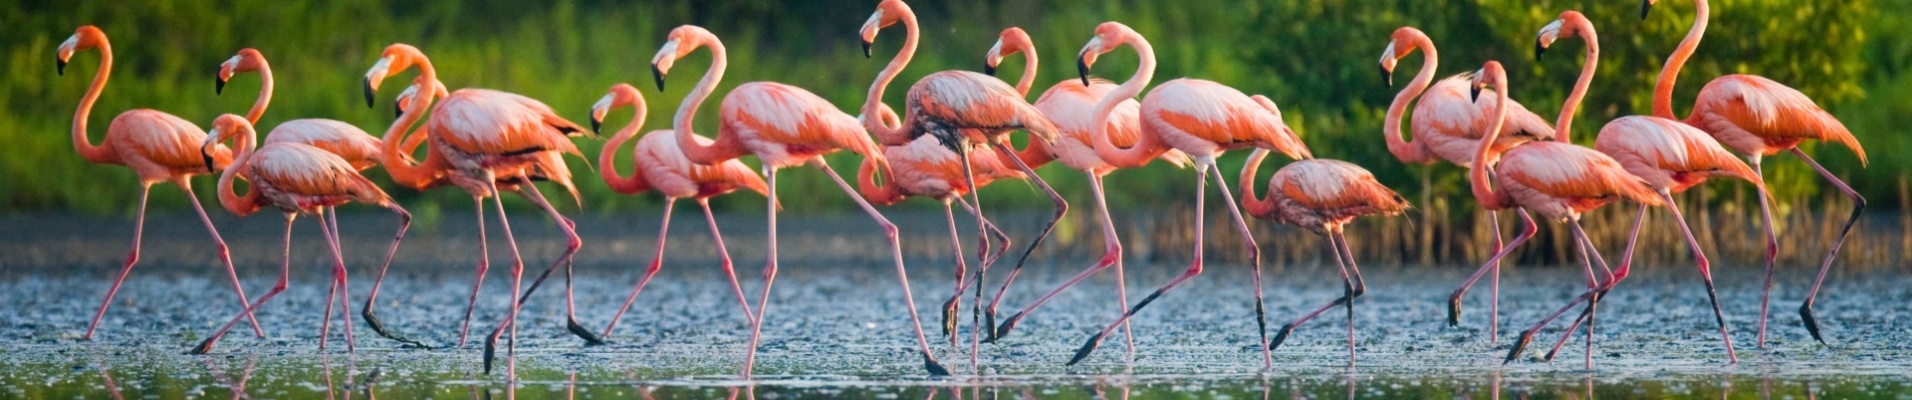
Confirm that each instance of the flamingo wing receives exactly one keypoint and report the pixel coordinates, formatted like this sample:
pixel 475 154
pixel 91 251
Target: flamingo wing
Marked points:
pixel 311 172
pixel 483 121
pixel 164 140
pixel 1667 153
pixel 1572 173
pixel 336 137
pixel 1453 125
pixel 788 115
pixel 1747 111
pixel 1336 189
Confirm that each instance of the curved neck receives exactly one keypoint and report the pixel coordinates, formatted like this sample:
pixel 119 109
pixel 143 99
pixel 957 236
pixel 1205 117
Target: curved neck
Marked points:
pixel 1402 149
pixel 1143 151
pixel 395 149
pixel 702 153
pixel 1251 202
pixel 899 134
pixel 1483 189
pixel 1036 154
pixel 81 144
pixel 228 197
pixel 1563 126
pixel 1028 70
pixel 871 190
pixel 265 94
pixel 607 159
pixel 1663 92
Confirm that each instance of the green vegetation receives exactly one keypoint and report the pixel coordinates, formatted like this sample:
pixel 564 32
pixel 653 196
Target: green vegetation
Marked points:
pixel 1316 59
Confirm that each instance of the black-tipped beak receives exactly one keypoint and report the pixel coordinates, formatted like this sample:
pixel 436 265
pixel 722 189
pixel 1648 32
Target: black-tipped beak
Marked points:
pixel 1387 76
pixel 59 67
pixel 1539 49
pixel 1082 69
pixel 866 49
pixel 1645 6
pixel 398 112
pixel 659 75
pixel 207 155
pixel 989 70
pixel 369 92
pixel 1473 93
pixel 218 86
pixel 595 125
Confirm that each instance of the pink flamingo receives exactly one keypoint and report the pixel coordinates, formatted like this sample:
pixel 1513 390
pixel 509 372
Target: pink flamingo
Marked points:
pixel 296 179
pixel 1448 125
pixel 1071 106
pixel 1757 117
pixel 661 166
pixel 784 126
pixel 1202 119
pixel 1670 155
pixel 1321 196
pixel 1559 180
pixel 957 107
pixel 157 146
pixel 484 141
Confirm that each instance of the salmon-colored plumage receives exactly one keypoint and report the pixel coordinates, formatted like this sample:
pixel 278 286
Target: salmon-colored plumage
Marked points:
pixel 346 141
pixel 1447 125
pixel 157 146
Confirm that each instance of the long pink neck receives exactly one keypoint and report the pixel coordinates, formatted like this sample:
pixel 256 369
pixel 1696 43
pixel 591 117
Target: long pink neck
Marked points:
pixel 1563 126
pixel 228 197
pixel 1254 204
pixel 880 193
pixel 265 93
pixel 1412 153
pixel 1663 92
pixel 900 134
pixel 607 158
pixel 723 149
pixel 1483 189
pixel 395 148
pixel 95 154
pixel 1028 80
pixel 1142 152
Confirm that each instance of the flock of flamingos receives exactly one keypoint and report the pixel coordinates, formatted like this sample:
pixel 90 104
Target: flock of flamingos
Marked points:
pixel 952 137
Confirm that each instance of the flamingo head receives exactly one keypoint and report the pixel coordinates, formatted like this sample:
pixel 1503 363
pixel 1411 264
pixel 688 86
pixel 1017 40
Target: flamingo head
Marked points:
pixel 1646 6
pixel 1108 36
pixel 395 59
pixel 678 44
pixel 226 127
pixel 1404 41
pixel 1490 74
pixel 248 60
pixel 85 38
pixel 887 13
pixel 410 98
pixel 405 100
pixel 1013 40
pixel 622 94
pixel 1571 24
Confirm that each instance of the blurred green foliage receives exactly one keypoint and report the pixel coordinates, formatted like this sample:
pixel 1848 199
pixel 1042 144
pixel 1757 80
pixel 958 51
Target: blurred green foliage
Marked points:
pixel 1316 59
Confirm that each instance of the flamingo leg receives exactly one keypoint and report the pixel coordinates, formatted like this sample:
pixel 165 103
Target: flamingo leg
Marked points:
pixel 1493 285
pixel 729 272
pixel 1111 257
pixel 1254 256
pixel 1858 207
pixel 987 258
pixel 341 278
pixel 1626 266
pixel 769 269
pixel 1706 273
pixel 484 264
pixel 1347 296
pixel 1589 256
pixel 1360 287
pixel 132 257
pixel 225 256
pixel 285 272
pixel 404 223
pixel 1061 206
pixel 657 263
pixel 1202 165
pixel 956 245
pixel 530 192
pixel 517 278
pixel 896 252
pixel 1772 247
pixel 1493 264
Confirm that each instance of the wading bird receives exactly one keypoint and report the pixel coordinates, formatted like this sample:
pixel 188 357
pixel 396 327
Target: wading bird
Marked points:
pixel 482 141
pixel 1757 117
pixel 1070 105
pixel 1559 180
pixel 296 179
pixel 1670 155
pixel 661 166
pixel 157 146
pixel 1202 119
pixel 1321 196
pixel 784 126
pixel 1448 125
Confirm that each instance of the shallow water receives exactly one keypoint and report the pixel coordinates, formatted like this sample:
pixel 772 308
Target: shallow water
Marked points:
pixel 835 328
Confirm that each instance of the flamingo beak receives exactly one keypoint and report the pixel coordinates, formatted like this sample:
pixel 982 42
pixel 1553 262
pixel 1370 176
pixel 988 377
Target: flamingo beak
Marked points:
pixel 205 152
pixel 218 86
pixel 658 74
pixel 1387 76
pixel 1540 48
pixel 59 66
pixel 1645 6
pixel 1082 70
pixel 596 123
pixel 866 49
pixel 369 91
pixel 989 70
pixel 1473 93
pixel 398 112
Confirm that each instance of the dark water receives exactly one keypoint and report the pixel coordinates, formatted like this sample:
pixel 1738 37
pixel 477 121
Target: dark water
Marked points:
pixel 836 328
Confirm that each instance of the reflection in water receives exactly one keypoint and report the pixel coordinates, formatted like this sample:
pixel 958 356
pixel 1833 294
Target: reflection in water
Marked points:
pixel 238 388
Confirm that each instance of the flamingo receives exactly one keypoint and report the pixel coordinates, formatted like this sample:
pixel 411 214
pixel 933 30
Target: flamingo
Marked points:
pixel 784 126
pixel 1757 117
pixel 158 147
pixel 333 136
pixel 1448 125
pixel 485 141
pixel 1670 155
pixel 1071 105
pixel 1202 119
pixel 958 108
pixel 661 166
pixel 296 179
pixel 1321 196
pixel 1559 180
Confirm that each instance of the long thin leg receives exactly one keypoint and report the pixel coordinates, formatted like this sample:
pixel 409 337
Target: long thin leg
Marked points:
pixel 1254 256
pixel 1360 287
pixel 1706 273
pixel 657 263
pixel 517 278
pixel 729 272
pixel 769 270
pixel 1493 286
pixel 132 257
pixel 1772 246
pixel 956 245
pixel 340 276
pixel 1195 267
pixel 1493 263
pixel 404 223
pixel 1061 206
pixel 1347 295
pixel 225 256
pixel 484 264
pixel 1858 207
pixel 1626 267
pixel 285 271
pixel 1592 296
pixel 988 258
pixel 1111 257
pixel 530 192
pixel 902 274
pixel 1112 244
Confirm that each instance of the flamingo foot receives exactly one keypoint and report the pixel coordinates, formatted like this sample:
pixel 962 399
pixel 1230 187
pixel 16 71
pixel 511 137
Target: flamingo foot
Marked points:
pixel 204 347
pixel 989 325
pixel 1002 331
pixel 1281 336
pixel 1087 348
pixel 1812 324
pixel 1454 310
pixel 379 328
pixel 590 339
pixel 935 368
pixel 950 315
pixel 491 346
pixel 1521 345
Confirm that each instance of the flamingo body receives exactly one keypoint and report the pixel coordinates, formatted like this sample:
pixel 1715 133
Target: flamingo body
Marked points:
pixel 1203 118
pixel 1668 154
pixel 786 125
pixel 1755 115
pixel 976 106
pixel 1559 180
pixel 1316 194
pixel 1451 127
pixel 159 146
pixel 337 137
pixel 1071 107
